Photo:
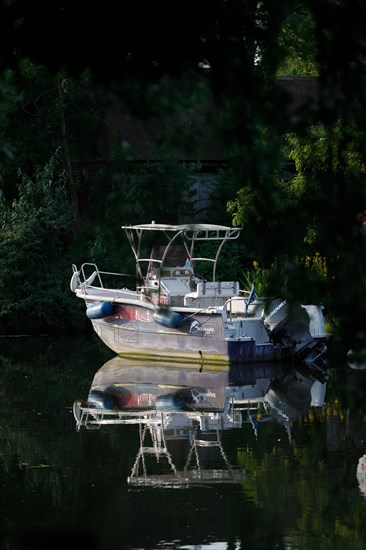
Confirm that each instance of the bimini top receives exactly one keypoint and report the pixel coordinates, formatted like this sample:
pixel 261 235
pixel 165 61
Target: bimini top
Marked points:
pixel 196 231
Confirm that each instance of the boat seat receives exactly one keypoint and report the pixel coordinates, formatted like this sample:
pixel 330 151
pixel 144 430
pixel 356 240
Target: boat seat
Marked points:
pixel 229 288
pixel 217 289
pixel 175 287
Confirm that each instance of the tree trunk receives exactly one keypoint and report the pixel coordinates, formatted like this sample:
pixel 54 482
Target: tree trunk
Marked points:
pixel 70 178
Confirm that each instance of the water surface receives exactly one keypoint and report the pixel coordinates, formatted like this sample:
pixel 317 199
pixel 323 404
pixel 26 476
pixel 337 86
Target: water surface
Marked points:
pixel 291 478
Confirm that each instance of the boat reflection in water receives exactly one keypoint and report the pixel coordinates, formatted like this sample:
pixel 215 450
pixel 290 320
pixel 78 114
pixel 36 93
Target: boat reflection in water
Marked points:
pixel 183 410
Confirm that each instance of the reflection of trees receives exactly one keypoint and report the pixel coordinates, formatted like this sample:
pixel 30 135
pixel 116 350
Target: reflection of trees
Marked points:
pixel 301 493
pixel 39 465
pixel 308 486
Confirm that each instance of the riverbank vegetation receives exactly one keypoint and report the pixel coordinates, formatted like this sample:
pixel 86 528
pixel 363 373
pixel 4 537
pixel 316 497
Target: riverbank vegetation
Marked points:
pixel 66 189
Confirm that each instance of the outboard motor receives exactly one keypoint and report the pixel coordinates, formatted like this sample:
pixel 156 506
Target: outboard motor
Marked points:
pixel 288 325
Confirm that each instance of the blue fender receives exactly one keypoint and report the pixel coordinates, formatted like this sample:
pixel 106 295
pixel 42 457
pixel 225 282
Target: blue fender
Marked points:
pixel 168 318
pixel 100 310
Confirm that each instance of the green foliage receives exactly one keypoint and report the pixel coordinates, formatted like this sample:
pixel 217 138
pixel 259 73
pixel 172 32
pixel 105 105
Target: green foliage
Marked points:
pixel 281 279
pixel 259 277
pixel 128 193
pixel 33 236
pixel 330 165
pixel 8 96
pixel 158 191
pixel 226 72
pixel 38 239
pixel 45 113
pixel 297 39
pixel 229 264
pixel 314 215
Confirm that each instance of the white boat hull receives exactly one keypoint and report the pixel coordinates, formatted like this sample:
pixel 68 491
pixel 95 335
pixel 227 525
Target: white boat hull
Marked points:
pixel 207 337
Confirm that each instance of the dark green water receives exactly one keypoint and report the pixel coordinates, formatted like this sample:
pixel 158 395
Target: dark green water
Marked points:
pixel 64 488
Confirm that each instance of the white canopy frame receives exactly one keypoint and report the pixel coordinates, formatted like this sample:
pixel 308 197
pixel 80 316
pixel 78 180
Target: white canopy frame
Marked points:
pixel 189 235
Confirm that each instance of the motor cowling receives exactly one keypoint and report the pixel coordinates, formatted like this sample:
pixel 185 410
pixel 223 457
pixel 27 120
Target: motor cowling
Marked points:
pixel 288 325
pixel 282 318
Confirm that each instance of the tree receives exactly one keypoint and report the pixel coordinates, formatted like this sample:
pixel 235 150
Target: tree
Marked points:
pixel 61 112
pixel 238 48
pixel 33 236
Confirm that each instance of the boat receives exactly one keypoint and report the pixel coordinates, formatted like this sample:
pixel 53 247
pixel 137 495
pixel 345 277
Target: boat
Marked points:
pixel 173 312
pixel 182 412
